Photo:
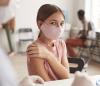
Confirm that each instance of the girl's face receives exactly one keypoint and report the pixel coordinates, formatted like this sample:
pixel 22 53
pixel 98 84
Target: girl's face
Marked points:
pixel 52 27
pixel 56 20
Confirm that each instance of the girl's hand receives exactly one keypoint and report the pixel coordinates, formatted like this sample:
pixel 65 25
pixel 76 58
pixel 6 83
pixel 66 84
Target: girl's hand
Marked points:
pixel 31 81
pixel 37 50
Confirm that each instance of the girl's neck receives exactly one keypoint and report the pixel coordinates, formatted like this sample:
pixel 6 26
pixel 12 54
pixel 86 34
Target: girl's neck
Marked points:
pixel 46 41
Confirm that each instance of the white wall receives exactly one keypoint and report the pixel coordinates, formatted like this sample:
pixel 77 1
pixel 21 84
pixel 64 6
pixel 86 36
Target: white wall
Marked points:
pixel 69 6
pixel 77 4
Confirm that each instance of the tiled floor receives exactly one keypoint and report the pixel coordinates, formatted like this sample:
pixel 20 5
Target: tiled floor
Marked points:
pixel 19 62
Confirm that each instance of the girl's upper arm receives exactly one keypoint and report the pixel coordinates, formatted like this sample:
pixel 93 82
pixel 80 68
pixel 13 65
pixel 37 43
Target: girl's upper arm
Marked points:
pixel 37 68
pixel 65 62
pixel 36 65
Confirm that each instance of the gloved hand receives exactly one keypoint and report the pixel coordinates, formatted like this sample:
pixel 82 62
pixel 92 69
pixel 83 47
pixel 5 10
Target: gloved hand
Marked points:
pixel 31 81
pixel 81 79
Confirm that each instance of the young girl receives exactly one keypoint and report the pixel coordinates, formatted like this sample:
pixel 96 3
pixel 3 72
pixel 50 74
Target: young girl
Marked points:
pixel 46 56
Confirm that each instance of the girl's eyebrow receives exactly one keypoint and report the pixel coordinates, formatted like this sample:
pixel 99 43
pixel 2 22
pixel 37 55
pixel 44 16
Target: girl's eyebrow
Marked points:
pixel 56 20
pixel 52 20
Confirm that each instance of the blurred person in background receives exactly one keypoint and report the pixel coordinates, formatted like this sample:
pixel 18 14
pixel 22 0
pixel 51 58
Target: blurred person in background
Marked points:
pixel 84 36
pixel 7 19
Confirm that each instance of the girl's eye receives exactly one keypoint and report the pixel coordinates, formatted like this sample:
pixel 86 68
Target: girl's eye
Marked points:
pixel 53 23
pixel 62 24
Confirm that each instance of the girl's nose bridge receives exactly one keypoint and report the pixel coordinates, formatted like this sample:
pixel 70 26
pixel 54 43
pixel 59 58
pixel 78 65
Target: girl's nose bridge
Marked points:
pixel 58 25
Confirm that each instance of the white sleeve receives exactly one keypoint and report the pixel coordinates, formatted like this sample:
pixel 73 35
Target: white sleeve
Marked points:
pixel 7 73
pixel 92 26
pixel 91 35
pixel 7 12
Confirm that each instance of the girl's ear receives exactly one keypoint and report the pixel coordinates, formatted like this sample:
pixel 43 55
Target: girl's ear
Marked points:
pixel 39 23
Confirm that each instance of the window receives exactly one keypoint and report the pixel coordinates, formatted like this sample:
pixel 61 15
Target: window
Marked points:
pixel 92 8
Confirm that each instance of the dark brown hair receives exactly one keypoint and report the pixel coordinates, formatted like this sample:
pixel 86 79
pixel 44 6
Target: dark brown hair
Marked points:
pixel 46 11
pixel 81 14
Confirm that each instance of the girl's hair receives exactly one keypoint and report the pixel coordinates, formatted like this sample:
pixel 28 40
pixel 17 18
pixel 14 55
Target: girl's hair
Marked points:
pixel 46 11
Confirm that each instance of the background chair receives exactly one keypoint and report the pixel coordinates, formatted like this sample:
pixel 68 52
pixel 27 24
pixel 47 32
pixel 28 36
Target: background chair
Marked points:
pixel 25 37
pixel 96 52
pixel 76 61
pixel 86 52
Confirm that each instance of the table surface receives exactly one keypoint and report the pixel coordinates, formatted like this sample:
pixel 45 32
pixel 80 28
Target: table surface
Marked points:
pixel 68 82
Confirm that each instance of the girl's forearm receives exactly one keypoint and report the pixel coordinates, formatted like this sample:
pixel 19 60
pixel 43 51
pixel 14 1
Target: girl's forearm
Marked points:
pixel 58 68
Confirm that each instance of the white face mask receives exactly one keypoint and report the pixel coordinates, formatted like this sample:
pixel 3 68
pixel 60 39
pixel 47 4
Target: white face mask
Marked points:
pixel 51 32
